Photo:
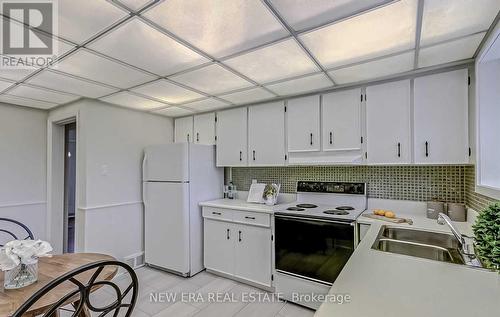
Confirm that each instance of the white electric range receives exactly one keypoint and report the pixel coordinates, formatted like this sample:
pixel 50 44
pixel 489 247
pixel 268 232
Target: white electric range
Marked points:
pixel 314 238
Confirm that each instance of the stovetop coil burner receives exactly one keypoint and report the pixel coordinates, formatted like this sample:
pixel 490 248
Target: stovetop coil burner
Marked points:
pixel 336 212
pixel 343 208
pixel 295 209
pixel 306 206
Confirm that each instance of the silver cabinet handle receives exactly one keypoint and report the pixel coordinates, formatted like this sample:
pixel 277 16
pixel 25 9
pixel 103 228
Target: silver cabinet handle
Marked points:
pixel 399 149
pixel 216 213
pixel 197 136
pixel 241 155
pixel 227 234
pixel 251 218
pixel 331 137
pixel 239 236
pixel 254 155
pixel 311 139
pixel 188 137
pixel 426 149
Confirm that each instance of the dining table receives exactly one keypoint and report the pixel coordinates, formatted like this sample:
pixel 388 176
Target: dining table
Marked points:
pixel 50 268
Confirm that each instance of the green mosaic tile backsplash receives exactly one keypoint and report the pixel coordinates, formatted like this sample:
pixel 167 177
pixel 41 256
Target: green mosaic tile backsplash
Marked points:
pixel 421 183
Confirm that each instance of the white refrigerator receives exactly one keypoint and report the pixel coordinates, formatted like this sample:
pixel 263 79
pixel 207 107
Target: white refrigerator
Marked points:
pixel 176 177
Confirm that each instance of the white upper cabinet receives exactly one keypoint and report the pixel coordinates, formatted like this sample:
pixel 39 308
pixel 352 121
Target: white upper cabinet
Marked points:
pixel 266 134
pixel 303 121
pixel 232 137
pixel 341 121
pixel 388 127
pixel 441 118
pixel 204 129
pixel 184 130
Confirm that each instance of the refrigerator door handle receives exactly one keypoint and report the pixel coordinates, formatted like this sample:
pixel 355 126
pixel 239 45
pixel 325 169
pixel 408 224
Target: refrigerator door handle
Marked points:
pixel 144 176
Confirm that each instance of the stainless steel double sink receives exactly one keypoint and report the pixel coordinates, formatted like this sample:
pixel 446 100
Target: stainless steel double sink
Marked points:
pixel 419 243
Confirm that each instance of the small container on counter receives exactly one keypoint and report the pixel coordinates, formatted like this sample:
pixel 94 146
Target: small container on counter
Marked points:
pixel 434 208
pixel 457 212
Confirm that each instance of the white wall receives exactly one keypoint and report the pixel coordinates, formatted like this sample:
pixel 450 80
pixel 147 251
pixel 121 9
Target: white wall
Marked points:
pixel 111 142
pixel 23 166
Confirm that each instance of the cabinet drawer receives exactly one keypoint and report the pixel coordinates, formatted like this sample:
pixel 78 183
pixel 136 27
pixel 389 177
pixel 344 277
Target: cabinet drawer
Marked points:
pixel 218 213
pixel 253 218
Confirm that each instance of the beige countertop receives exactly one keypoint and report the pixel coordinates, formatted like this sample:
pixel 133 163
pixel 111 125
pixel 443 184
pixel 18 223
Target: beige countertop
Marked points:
pixel 387 284
pixel 239 204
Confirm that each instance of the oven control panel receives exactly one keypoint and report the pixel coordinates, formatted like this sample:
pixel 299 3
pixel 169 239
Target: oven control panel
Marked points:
pixel 331 187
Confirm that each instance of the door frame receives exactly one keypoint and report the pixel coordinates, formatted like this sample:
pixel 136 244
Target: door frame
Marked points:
pixel 55 181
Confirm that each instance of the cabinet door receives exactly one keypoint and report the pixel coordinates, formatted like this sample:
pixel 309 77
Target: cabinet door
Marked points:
pixel 253 254
pixel 204 129
pixel 341 120
pixel 441 118
pixel 388 123
pixel 303 117
pixel 184 130
pixel 232 137
pixel 266 134
pixel 219 245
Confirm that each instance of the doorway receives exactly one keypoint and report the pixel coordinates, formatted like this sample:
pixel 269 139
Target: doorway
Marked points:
pixel 69 187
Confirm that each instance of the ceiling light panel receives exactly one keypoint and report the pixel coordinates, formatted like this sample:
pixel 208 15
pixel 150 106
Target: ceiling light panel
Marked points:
pixel 163 55
pixel 92 66
pixel 41 94
pixel 129 100
pixel 168 92
pixel 213 79
pixel 282 60
pixel 207 104
pixel 26 102
pixel 301 85
pixel 218 27
pixel 5 84
pixel 383 31
pixel 304 14
pixel 248 96
pixel 374 69
pixel 450 51
pixel 69 84
pixel 448 19
pixel 174 112
pixel 79 20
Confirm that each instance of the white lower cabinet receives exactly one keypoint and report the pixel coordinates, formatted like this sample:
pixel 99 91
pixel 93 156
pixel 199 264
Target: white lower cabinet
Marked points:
pixel 236 247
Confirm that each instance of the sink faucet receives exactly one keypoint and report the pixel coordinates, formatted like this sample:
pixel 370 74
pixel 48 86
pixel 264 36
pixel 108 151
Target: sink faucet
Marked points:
pixel 444 219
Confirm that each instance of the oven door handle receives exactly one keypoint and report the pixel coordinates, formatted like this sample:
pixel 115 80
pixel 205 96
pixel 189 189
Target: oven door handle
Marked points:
pixel 352 223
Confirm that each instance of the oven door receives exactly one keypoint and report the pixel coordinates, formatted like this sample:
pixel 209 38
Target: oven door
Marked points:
pixel 314 249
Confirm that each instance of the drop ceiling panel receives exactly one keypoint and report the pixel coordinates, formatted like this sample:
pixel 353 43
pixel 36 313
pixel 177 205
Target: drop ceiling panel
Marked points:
pixel 14 74
pixel 129 100
pixel 450 51
pixel 374 69
pixel 213 79
pixel 69 84
pixel 247 96
pixel 304 14
pixel 168 92
pixel 282 60
pixel 163 55
pixel 79 20
pixel 174 112
pixel 5 84
pixel 92 66
pixel 207 104
pixel 135 4
pixel 26 102
pixel 218 27
pixel 447 19
pixel 380 32
pixel 41 94
pixel 301 85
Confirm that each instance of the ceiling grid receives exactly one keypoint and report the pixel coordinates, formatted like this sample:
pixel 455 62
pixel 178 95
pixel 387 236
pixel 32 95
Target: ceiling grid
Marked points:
pixel 249 61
